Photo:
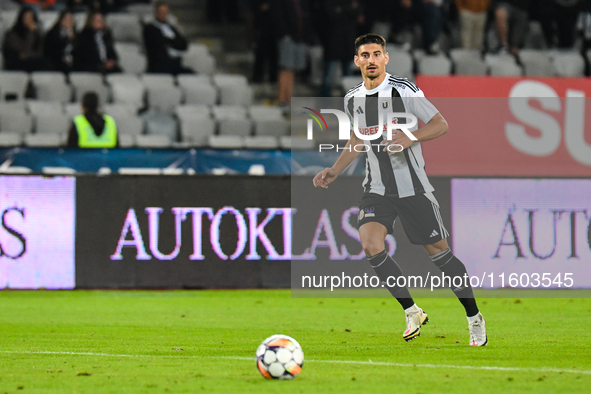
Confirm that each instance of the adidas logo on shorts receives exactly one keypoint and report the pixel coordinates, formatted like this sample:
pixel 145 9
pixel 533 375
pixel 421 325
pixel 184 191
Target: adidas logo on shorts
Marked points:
pixel 434 234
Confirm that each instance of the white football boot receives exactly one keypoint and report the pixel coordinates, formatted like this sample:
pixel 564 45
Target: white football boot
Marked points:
pixel 477 327
pixel 415 318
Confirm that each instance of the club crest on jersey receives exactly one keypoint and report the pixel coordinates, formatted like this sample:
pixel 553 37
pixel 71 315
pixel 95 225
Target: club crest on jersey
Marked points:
pixel 384 105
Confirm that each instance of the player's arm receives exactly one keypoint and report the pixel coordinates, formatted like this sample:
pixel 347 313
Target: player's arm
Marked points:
pixel 436 127
pixel 328 175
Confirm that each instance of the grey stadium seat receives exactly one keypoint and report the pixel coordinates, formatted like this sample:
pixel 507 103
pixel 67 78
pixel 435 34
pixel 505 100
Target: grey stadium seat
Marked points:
pixel 73 109
pixel 126 140
pixel 160 124
pixel 47 19
pixel 261 142
pixel 127 89
pixel 163 95
pixel 129 124
pixel 468 62
pixel 435 65
pixel 226 142
pixel 234 89
pixel 536 62
pixel 232 120
pixel 296 143
pixel 229 111
pixel 10 138
pixel 15 121
pixel 89 82
pixel 125 27
pixel 568 63
pixel 192 109
pixel 45 140
pixel 198 89
pixel 51 86
pixel 13 84
pixel 196 128
pixel 271 127
pixel 52 123
pixel 503 65
pixel 36 107
pixel 131 58
pixel 401 63
pixel 199 59
pixel 264 112
pixel 153 141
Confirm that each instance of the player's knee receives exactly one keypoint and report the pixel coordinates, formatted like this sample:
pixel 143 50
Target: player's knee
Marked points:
pixel 371 247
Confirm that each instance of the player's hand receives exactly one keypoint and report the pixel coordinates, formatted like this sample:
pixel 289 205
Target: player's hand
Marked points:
pixel 324 177
pixel 398 143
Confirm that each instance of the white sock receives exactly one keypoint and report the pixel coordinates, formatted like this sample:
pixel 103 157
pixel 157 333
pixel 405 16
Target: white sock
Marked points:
pixel 413 308
pixel 472 319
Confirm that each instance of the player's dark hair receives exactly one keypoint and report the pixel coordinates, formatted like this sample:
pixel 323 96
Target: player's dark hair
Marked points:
pixel 90 102
pixel 370 38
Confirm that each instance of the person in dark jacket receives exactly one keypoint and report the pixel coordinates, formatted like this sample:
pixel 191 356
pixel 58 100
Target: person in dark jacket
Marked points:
pixel 59 43
pixel 164 44
pixel 512 23
pixel 23 44
pixel 93 48
pixel 92 129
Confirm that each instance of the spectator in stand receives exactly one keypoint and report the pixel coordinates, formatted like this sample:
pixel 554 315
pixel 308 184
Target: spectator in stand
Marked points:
pixel 472 22
pixel 512 23
pixel 294 32
pixel 263 27
pixel 59 43
pixel 559 19
pixel 164 44
pixel 23 44
pixel 428 13
pixel 92 129
pixel 336 34
pixel 93 47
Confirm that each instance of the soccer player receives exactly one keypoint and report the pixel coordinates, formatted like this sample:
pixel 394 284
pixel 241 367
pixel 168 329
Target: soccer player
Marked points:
pixel 396 183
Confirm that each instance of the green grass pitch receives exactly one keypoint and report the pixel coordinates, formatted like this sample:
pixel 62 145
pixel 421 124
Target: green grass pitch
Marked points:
pixel 204 341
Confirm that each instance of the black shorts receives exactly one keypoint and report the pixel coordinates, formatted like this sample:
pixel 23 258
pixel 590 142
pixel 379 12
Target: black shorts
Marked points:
pixel 419 215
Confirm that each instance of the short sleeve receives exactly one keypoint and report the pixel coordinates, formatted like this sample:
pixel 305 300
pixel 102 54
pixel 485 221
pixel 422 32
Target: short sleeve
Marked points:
pixel 417 104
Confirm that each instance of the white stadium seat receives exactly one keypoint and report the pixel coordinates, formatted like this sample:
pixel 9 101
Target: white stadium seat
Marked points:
pixel 131 58
pixel 45 140
pixel 435 65
pixel 89 82
pixel 226 142
pixel 503 65
pixel 160 124
pixel 536 63
pixel 52 123
pixel 36 107
pixel 51 86
pixel 198 89
pixel 15 121
pixel 125 27
pixel 9 139
pixel 568 63
pixel 127 89
pixel 196 128
pixel 13 85
pixel 261 142
pixel 153 141
pixel 163 94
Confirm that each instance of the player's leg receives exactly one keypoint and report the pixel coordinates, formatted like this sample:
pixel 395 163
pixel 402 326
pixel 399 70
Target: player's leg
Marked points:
pixel 423 225
pixel 376 219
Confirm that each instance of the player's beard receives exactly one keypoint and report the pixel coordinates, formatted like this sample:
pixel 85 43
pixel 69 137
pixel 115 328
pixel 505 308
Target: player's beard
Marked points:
pixel 373 76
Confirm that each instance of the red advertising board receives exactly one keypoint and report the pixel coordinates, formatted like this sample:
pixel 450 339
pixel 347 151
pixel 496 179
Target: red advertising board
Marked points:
pixel 505 126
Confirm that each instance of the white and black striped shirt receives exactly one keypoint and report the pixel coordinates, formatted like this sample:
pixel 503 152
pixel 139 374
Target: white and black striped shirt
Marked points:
pixel 394 175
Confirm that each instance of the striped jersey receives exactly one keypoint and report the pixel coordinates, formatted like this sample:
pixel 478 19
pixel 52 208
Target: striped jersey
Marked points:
pixel 394 175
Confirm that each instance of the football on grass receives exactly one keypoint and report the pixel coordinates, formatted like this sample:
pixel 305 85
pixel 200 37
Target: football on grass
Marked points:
pixel 280 357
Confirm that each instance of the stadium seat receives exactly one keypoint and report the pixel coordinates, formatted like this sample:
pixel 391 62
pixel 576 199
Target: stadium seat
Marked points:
pixel 226 142
pixel 349 83
pixel 139 171
pixel 10 138
pixel 52 123
pixel 229 80
pixel 73 109
pixel 13 85
pixel 16 121
pixel 261 142
pixel 48 19
pixel 435 65
pixel 127 89
pixel 80 20
pixel 131 58
pixel 89 82
pixel 160 124
pixel 45 140
pixel 129 124
pixel 192 109
pixel 45 107
pixel 58 170
pixel 536 63
pixel 126 140
pixel 196 127
pixel 534 39
pixel 163 96
pixel 468 62
pixel 271 127
pixel 118 108
pixel 51 86
pixel 153 141
pixel 234 89
pixel 229 111
pixel 141 9
pixel 265 112
pixel 198 89
pixel 125 27
pixel 568 63
pixel 400 63
pixel 295 143
pixel 199 59
pixel 503 65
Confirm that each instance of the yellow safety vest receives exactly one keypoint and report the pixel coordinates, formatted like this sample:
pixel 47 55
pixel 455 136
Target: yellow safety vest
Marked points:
pixel 87 138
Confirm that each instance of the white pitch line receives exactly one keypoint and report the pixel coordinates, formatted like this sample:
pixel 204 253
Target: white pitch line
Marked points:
pixel 353 362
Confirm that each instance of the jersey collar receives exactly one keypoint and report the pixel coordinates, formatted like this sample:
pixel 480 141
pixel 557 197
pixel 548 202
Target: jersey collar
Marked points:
pixel 380 86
